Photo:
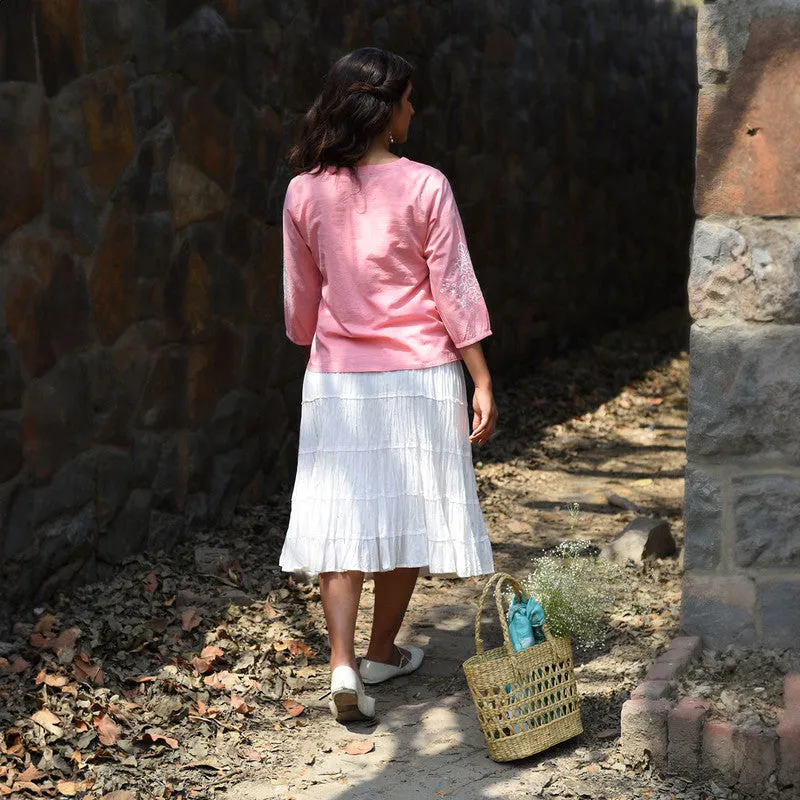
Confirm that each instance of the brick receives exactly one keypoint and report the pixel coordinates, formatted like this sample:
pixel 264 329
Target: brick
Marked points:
pixel 651 690
pixel 716 753
pixel 789 749
pixel 720 608
pixel 755 758
pixel 665 670
pixel 690 646
pixel 644 730
pixel 685 736
pixel 791 691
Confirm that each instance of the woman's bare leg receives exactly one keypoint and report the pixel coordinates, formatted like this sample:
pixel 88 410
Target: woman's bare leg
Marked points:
pixel 340 593
pixel 393 591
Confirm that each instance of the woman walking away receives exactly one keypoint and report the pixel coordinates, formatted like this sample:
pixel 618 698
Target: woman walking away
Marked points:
pixel 379 285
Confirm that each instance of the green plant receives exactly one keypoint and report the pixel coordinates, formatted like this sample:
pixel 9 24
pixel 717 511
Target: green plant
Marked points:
pixel 575 588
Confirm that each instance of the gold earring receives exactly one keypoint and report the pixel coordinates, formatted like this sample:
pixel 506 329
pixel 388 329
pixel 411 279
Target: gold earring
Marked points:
pixel 391 140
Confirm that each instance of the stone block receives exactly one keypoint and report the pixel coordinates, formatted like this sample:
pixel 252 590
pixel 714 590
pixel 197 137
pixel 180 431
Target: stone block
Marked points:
pixel 152 245
pixel 780 612
pixel 717 751
pixel 166 530
pixel 746 162
pixel 10 446
pixel 65 304
pixel 146 449
pixel 644 731
pixel 23 154
pixel 63 545
pixel 720 608
pixel 702 518
pixel 202 47
pixel 71 488
pixel 205 136
pixel 56 418
pixel 746 269
pixel 123 30
pixel 164 400
pixel 58 29
pixel 766 510
pixel 755 757
pixel 213 370
pixel 10 374
pixel 115 474
pixel 171 481
pixel 112 279
pixel 685 734
pixel 789 749
pixel 25 320
pixel 743 401
pixel 188 297
pixel 193 196
pixel 237 415
pixel 128 534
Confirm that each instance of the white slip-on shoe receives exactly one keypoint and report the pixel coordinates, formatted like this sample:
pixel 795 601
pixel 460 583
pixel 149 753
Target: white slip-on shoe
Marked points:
pixel 377 672
pixel 348 702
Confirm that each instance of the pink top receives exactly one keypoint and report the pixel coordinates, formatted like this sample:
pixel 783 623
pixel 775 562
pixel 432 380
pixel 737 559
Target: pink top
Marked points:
pixel 378 278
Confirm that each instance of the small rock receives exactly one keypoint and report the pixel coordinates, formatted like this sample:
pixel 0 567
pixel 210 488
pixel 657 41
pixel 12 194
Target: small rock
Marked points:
pixel 641 539
pixel 518 526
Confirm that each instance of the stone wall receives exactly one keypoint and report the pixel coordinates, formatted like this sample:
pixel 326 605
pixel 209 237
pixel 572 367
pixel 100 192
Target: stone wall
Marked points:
pixel 742 554
pixel 145 380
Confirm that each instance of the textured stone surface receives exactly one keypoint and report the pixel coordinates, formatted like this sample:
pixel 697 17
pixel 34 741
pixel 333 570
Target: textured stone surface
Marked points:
pixel 717 757
pixel 193 197
pixel 747 270
pixel 702 519
pixel 755 759
pixel 780 611
pixel 743 401
pixel 766 510
pixel 719 608
pixel 58 28
pixel 747 163
pixel 56 418
pixel 23 154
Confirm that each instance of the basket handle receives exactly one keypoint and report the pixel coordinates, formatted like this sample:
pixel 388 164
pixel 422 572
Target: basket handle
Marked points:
pixel 499 580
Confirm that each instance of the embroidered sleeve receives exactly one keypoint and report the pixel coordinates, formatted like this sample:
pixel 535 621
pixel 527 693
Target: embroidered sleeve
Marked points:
pixel 302 280
pixel 455 288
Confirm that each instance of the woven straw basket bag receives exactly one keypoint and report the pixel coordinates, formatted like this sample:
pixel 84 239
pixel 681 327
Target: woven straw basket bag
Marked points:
pixel 526 701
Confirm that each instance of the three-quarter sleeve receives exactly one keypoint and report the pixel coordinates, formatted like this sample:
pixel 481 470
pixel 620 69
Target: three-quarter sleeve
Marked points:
pixel 302 280
pixel 455 288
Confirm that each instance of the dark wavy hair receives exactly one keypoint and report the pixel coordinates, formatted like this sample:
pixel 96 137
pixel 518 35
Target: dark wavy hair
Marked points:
pixel 354 106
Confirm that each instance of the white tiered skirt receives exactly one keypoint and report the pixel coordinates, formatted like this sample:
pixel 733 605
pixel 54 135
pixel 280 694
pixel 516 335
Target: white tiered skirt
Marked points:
pixel 385 476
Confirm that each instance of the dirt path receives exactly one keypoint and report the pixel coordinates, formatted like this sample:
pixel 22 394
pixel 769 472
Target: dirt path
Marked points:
pixel 427 744
pixel 180 678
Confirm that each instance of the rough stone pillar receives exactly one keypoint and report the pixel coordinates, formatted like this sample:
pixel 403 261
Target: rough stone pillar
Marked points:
pixel 742 558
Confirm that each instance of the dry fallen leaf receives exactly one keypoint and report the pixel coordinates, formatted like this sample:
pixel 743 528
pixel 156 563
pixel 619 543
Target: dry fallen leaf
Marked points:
pixel 123 794
pixel 293 708
pixel 85 670
pixel 190 619
pixel 297 648
pixel 72 788
pixel 151 582
pixel 358 747
pixel 201 665
pixel 49 721
pixel 252 755
pixel 32 773
pixel 240 705
pixel 155 736
pixel 211 651
pixel 51 680
pixel 108 730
